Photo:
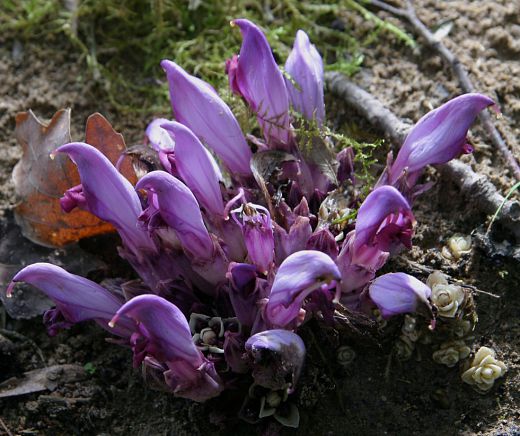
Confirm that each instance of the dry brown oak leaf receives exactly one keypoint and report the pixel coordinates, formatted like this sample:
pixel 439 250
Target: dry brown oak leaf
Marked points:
pixel 40 180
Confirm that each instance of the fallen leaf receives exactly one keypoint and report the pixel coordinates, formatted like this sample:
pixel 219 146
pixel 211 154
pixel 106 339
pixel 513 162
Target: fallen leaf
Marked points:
pixel 266 166
pixel 41 379
pixel 40 180
pixel 100 134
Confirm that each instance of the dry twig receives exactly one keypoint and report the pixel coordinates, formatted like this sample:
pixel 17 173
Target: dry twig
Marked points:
pixel 5 428
pixel 458 69
pixel 477 187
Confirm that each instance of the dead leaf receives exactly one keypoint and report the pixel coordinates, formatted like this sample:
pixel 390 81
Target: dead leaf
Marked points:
pixel 40 180
pixel 320 152
pixel 267 165
pixel 41 379
pixel 100 134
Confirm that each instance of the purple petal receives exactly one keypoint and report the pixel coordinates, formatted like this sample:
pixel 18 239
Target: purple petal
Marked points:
pixel 287 243
pixel 354 276
pixel 245 290
pixel 278 357
pixel 299 275
pixel 261 83
pixel 163 334
pixel 195 168
pixel 305 66
pixel 384 221
pixel 106 194
pixel 196 105
pixel 179 209
pixel 77 299
pixel 439 136
pixel 158 137
pixel 397 293
pixel 323 240
pixel 258 235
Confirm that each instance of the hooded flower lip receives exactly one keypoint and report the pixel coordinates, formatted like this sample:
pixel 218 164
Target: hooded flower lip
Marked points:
pixel 396 293
pixel 300 274
pixel 278 357
pixel 305 66
pixel 384 221
pixel 256 77
pixel 195 167
pixel 197 105
pixel 178 208
pixel 439 136
pixel 77 299
pixel 105 193
pixel 163 335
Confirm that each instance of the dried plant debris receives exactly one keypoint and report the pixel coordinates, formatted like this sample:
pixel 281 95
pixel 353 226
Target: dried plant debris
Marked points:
pixel 41 177
pixel 44 379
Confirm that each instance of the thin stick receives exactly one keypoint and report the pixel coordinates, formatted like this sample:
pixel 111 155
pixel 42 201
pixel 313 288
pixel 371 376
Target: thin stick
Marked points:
pixel 477 187
pixel 459 71
pixel 2 423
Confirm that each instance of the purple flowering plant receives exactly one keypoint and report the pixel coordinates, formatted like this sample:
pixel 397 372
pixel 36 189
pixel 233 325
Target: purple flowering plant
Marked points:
pixel 239 239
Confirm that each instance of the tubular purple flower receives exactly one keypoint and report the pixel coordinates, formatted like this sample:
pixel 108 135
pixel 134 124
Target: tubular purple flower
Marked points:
pixel 245 290
pixel 256 76
pixel 305 66
pixel 163 333
pixel 396 293
pixel 384 221
pixel 195 168
pixel 300 274
pixel 197 105
pixel 258 234
pixel 438 137
pixel 107 194
pixel 278 357
pixel 178 208
pixel 77 299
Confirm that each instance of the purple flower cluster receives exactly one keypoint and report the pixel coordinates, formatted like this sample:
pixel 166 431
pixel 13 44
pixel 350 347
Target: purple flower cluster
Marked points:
pixel 233 260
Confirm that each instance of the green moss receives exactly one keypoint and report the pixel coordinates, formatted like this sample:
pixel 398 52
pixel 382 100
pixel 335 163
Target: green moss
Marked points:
pixel 123 41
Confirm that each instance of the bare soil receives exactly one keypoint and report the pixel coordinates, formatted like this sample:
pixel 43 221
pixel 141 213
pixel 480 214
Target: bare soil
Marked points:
pixel 373 395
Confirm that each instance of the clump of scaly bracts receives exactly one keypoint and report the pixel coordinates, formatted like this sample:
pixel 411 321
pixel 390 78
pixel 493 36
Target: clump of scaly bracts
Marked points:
pixel 239 240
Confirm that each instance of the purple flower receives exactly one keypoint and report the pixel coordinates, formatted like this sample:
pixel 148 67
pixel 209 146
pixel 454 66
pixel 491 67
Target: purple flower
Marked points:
pixel 396 293
pixel 107 194
pixel 197 105
pixel 300 274
pixel 305 66
pixel 384 221
pixel 158 137
pixel 245 290
pixel 77 299
pixel 176 205
pixel 163 338
pixel 258 234
pixel 257 78
pixel 278 357
pixel 287 243
pixel 196 169
pixel 323 240
pixel 438 137
pixel 384 224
